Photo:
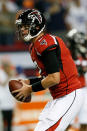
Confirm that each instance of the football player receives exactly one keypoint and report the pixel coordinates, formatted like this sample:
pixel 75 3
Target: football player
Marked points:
pixel 77 42
pixel 57 69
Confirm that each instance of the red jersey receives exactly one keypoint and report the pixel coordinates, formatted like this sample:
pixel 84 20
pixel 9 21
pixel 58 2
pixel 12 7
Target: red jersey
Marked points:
pixel 68 72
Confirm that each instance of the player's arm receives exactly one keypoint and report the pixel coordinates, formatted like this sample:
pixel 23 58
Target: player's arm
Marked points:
pixel 50 61
pixel 51 64
pixel 51 80
pixel 30 81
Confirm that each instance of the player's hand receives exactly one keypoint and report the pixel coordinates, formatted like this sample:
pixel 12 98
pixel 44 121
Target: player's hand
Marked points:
pixel 26 81
pixel 23 92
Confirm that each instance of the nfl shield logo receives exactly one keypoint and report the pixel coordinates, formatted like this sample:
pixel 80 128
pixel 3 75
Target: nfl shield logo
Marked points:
pixel 43 42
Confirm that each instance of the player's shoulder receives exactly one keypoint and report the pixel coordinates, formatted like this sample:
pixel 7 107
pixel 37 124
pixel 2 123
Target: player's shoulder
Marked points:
pixel 49 38
pixel 46 40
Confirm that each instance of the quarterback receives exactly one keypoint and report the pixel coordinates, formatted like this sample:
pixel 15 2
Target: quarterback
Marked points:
pixel 57 69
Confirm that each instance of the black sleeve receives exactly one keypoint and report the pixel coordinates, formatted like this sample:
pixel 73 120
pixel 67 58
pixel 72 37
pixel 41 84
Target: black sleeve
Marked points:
pixel 50 61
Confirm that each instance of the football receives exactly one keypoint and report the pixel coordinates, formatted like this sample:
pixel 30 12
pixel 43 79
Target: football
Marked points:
pixel 15 85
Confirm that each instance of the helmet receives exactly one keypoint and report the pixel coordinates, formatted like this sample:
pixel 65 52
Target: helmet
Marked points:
pixel 34 20
pixel 77 43
pixel 76 36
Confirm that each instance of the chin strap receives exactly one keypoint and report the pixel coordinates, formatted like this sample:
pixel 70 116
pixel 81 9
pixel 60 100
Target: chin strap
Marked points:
pixel 29 37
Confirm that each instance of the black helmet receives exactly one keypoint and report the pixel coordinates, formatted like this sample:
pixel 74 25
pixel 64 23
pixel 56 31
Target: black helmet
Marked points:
pixel 77 43
pixel 76 36
pixel 34 20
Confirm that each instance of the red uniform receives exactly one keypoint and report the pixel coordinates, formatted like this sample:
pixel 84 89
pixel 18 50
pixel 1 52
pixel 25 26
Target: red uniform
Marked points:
pixel 68 72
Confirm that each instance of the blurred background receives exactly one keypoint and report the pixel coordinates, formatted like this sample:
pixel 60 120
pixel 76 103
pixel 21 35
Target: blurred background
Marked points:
pixel 15 61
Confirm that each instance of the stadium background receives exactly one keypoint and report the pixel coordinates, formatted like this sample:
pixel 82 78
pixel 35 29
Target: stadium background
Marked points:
pixel 55 11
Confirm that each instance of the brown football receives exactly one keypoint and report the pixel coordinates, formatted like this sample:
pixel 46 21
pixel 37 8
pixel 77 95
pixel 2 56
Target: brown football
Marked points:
pixel 15 85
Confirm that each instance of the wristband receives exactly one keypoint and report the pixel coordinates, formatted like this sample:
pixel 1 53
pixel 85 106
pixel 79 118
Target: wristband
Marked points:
pixel 37 87
pixel 34 80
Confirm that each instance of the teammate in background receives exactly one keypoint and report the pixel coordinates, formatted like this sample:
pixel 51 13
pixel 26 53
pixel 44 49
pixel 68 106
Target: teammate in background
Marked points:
pixel 7 103
pixel 57 69
pixel 77 43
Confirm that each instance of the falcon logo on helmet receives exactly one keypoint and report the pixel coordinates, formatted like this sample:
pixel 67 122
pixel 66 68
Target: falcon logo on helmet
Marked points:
pixel 36 14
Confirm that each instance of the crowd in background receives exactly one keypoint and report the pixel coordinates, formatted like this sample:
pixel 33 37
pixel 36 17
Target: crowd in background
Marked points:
pixel 7 103
pixel 61 16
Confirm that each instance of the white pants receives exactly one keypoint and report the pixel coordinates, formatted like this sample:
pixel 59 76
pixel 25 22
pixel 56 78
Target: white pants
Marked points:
pixel 58 113
pixel 82 116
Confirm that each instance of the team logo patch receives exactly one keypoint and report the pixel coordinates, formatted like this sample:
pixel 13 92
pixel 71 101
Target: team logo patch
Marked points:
pixel 43 42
